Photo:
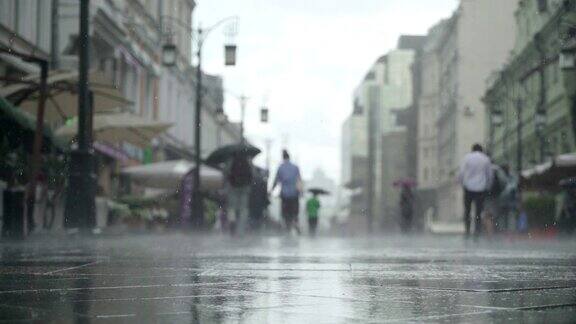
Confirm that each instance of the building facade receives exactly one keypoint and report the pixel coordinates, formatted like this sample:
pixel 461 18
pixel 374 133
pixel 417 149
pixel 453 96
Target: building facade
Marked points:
pixel 530 115
pixel 392 133
pixel 476 41
pixel 355 168
pixel 25 26
pixel 427 102
pixel 126 40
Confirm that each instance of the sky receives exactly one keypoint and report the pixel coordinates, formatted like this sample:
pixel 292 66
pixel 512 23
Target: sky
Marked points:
pixel 303 59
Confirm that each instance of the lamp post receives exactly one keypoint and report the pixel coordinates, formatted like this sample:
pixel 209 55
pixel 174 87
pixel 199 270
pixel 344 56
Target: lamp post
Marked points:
pixel 80 206
pixel 540 121
pixel 496 120
pixel 567 62
pixel 519 137
pixel 169 59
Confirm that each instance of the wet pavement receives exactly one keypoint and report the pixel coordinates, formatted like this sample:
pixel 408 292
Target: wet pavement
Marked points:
pixel 213 279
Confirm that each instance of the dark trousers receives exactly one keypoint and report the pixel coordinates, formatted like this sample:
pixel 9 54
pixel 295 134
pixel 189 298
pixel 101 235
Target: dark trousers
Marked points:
pixel 478 199
pixel 312 225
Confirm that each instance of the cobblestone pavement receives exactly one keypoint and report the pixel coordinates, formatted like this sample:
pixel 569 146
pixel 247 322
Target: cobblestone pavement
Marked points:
pixel 211 279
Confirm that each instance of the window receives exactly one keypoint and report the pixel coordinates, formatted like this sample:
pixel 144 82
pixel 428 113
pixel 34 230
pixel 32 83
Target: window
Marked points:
pixel 7 13
pixel 542 5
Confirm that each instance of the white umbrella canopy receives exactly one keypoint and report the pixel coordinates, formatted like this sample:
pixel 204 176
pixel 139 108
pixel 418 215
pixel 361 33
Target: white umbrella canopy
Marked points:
pixel 169 174
pixel 62 101
pixel 116 128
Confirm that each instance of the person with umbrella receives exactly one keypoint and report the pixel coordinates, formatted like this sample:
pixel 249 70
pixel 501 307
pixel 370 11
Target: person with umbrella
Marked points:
pixel 288 176
pixel 240 176
pixel 313 209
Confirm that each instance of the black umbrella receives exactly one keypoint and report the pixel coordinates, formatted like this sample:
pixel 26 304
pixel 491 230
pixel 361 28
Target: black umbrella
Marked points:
pixel 318 191
pixel 225 153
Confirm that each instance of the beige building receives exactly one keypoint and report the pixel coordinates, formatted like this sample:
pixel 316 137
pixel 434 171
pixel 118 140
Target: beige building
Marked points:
pixel 428 102
pixel 354 168
pixel 476 42
pixel 385 90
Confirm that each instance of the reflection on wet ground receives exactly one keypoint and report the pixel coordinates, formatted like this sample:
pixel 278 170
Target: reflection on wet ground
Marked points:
pixel 194 279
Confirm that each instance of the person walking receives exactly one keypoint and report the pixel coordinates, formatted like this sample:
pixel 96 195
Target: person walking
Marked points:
pixel 313 209
pixel 288 176
pixel 475 176
pixel 239 176
pixel 406 208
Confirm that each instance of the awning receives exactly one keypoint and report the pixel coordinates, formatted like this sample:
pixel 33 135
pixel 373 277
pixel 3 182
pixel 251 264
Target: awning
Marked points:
pixel 62 101
pixel 12 117
pixel 169 174
pixel 116 128
pixel 546 176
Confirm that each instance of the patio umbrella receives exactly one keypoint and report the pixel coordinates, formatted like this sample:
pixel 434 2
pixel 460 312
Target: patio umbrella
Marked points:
pixel 115 128
pixel 546 176
pixel 62 101
pixel 225 153
pixel 318 191
pixel 169 175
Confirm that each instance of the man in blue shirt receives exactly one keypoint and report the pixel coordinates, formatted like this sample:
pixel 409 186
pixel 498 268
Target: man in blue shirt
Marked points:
pixel 288 176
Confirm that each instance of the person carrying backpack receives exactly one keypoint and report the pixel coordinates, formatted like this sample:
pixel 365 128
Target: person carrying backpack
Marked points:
pixel 239 178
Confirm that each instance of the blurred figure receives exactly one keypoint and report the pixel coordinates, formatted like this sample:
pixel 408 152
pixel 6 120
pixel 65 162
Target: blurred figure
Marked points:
pixel 239 176
pixel 406 208
pixel 288 175
pixel 507 199
pixel 313 209
pixel 259 200
pixel 567 217
pixel 475 176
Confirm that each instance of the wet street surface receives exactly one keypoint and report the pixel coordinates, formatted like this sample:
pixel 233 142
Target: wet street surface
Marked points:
pixel 213 279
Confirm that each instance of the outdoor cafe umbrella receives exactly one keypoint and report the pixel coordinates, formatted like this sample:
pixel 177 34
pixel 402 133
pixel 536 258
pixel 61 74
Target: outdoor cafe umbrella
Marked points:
pixel 318 191
pixel 225 153
pixel 169 175
pixel 546 176
pixel 62 100
pixel 115 128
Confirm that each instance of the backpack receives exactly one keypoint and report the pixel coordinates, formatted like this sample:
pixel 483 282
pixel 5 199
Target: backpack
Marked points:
pixel 240 173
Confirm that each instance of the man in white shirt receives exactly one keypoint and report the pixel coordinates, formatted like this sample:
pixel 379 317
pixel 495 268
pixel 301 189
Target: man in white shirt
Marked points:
pixel 475 176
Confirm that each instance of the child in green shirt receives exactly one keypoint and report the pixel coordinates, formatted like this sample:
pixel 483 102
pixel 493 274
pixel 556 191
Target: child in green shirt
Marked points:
pixel 312 209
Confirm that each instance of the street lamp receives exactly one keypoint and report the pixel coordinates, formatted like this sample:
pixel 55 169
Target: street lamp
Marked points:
pixel 264 114
pixel 567 60
pixel 496 118
pixel 169 57
pixel 230 55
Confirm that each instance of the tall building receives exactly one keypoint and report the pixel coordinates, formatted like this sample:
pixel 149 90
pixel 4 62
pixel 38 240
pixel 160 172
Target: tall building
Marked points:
pixel 427 102
pixel 476 41
pixel 381 97
pixel 390 135
pixel 355 167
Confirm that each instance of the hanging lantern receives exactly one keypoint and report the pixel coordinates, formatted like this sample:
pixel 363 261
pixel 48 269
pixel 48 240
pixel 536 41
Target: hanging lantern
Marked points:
pixel 264 114
pixel 230 55
pixel 496 118
pixel 169 55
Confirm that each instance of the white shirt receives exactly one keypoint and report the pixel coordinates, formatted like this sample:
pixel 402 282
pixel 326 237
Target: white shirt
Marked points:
pixel 475 172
